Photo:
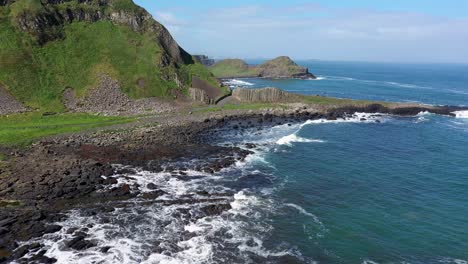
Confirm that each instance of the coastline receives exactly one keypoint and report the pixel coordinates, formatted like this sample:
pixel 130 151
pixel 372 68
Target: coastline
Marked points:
pixel 65 172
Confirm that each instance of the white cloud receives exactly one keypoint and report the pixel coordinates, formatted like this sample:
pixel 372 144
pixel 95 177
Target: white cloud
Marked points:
pixel 314 31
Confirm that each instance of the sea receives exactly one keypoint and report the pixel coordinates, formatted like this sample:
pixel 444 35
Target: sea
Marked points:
pixel 384 190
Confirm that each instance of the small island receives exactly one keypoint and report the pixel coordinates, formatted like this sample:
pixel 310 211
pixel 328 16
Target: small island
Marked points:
pixel 279 68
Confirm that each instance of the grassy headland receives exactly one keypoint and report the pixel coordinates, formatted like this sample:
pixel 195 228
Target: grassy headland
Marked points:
pixel 38 62
pixel 22 129
pixel 281 67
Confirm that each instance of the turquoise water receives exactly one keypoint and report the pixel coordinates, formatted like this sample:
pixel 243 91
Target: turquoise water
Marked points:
pixel 384 190
pixel 430 84
pixel 367 192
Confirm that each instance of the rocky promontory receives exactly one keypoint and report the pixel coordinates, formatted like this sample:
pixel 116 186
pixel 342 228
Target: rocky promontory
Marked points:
pixel 281 67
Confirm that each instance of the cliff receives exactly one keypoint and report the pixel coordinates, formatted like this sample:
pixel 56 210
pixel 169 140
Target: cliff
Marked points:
pixel 49 46
pixel 281 67
pixel 205 60
pixel 264 95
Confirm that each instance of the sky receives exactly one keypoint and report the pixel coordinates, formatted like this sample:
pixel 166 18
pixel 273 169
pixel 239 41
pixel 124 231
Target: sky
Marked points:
pixel 411 31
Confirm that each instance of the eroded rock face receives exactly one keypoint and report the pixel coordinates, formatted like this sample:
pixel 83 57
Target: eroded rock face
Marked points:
pixel 262 95
pixel 107 98
pixel 8 104
pixel 47 24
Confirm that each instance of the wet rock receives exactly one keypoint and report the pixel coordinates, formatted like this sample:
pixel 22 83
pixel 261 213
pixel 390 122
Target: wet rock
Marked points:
pixel 79 243
pixel 152 186
pixel 153 195
pixel 250 146
pixel 52 229
pixel 215 209
pixel 105 249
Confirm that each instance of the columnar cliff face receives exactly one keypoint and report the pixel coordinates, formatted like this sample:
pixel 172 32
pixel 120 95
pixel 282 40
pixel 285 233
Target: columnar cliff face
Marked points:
pixel 264 95
pixel 281 67
pixel 49 46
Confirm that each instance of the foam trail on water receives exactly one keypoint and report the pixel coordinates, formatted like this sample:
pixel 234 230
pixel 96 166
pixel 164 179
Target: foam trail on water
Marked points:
pixel 288 140
pixel 304 212
pixel 319 78
pixel 461 114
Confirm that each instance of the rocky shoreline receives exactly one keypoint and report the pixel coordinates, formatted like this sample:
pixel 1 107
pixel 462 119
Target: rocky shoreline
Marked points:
pixel 55 175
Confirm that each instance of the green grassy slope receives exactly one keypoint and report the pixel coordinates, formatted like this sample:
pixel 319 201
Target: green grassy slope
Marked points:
pixel 232 68
pixel 22 129
pixel 37 74
pixel 279 67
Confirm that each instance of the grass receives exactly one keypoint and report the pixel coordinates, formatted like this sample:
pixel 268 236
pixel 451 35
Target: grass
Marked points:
pixel 23 129
pixel 9 203
pixel 200 71
pixel 232 68
pixel 243 106
pixel 37 74
pixel 321 100
pixel 26 6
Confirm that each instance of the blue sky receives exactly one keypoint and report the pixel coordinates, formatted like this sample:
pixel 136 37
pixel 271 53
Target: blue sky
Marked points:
pixel 360 30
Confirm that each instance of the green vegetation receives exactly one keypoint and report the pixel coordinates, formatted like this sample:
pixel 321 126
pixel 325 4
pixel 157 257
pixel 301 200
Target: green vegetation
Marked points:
pixel 74 55
pixel 321 100
pixel 279 67
pixel 243 106
pixel 197 69
pixel 124 5
pixel 9 203
pixel 37 75
pixel 21 7
pixel 233 68
pixel 23 129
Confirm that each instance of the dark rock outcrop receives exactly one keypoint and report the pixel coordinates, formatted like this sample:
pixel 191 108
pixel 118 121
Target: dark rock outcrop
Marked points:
pixel 205 60
pixel 107 98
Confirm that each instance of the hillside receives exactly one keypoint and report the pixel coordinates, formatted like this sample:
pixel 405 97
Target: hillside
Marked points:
pixel 51 46
pixel 281 67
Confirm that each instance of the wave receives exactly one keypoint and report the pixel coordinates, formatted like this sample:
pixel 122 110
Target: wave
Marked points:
pixel 317 78
pixel 288 140
pixel 386 83
pixel 304 212
pixel 236 82
pixel 172 223
pixel 461 114
pixel 356 118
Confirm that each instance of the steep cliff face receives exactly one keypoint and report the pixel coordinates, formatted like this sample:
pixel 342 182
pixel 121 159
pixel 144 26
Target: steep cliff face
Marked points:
pixel 264 95
pixel 49 46
pixel 281 67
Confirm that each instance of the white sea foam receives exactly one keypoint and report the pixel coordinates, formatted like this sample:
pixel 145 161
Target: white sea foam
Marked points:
pixel 288 140
pixel 318 78
pixel 461 114
pixel 356 118
pixel 304 212
pixel 386 83
pixel 453 261
pixel 367 261
pixel 236 82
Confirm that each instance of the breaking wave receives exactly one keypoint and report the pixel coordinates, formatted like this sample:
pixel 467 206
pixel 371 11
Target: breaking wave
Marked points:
pixel 237 83
pixel 385 83
pixel 288 140
pixel 461 114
